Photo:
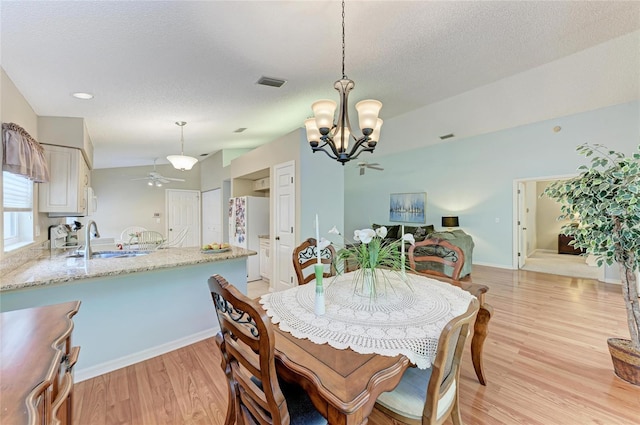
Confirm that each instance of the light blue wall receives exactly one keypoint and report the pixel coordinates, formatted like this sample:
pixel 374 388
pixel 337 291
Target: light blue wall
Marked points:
pixel 473 178
pixel 322 188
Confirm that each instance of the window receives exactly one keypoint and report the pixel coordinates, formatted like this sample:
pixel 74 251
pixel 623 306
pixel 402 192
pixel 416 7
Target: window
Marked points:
pixel 18 210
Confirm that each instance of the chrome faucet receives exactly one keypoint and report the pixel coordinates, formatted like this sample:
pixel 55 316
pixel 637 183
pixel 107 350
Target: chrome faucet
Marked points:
pixel 87 238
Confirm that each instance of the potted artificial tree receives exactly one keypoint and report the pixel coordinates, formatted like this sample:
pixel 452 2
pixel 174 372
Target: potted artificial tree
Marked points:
pixel 605 201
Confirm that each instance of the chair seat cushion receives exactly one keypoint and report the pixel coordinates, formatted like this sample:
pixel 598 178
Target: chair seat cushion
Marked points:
pixel 301 409
pixel 408 398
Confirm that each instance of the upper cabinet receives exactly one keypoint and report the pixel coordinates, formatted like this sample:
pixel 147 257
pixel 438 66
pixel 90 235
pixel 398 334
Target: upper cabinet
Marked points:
pixel 66 131
pixel 66 192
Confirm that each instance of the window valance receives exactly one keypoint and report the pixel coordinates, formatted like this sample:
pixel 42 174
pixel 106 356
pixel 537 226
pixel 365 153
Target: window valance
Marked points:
pixel 22 154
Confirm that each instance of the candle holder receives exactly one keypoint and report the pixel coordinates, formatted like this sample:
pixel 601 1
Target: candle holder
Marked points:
pixel 319 307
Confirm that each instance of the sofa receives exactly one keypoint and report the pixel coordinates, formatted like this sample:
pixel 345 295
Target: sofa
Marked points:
pixel 457 237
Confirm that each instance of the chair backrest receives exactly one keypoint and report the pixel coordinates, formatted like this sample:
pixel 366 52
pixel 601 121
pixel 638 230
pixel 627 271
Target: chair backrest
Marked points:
pixel 178 239
pixel 246 341
pixel 305 256
pixel 146 240
pixel 410 402
pixel 442 389
pixel 435 257
pixel 130 232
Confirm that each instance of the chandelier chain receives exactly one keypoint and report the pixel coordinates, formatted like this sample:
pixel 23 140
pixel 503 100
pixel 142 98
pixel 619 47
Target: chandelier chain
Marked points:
pixel 344 76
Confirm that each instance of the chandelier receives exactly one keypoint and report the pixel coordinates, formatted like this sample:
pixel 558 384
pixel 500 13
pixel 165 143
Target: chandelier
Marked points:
pixel 182 162
pixel 335 139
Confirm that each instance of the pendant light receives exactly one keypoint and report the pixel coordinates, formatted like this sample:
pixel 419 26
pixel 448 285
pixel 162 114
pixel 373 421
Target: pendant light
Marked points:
pixel 182 162
pixel 323 133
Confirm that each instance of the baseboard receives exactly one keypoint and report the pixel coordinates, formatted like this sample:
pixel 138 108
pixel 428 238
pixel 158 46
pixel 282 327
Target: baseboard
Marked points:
pixel 106 367
pixel 609 280
pixel 498 266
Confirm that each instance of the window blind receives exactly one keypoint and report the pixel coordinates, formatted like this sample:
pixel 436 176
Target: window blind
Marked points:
pixel 18 193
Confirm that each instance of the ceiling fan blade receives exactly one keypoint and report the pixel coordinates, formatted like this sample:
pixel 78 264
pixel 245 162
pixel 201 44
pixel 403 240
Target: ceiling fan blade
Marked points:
pixel 172 179
pixel 142 178
pixel 361 170
pixel 376 168
pixel 371 164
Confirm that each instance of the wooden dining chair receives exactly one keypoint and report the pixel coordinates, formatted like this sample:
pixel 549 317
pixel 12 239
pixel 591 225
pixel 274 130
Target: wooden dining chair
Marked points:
pixel 130 232
pixel 177 240
pixel 146 240
pixel 430 396
pixel 246 341
pixel 436 257
pixel 305 257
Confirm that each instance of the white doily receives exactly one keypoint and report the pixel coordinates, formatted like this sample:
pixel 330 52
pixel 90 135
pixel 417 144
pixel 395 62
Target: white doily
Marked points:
pixel 407 319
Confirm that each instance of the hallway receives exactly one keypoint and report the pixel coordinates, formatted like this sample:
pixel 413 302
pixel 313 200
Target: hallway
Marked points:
pixel 561 264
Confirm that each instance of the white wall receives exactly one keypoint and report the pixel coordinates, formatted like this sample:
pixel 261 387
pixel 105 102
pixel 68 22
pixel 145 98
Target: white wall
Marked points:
pixel 474 177
pixel 123 202
pixel 15 108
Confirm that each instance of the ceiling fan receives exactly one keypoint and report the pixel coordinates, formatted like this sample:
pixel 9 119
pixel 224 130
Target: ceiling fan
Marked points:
pixel 156 179
pixel 364 165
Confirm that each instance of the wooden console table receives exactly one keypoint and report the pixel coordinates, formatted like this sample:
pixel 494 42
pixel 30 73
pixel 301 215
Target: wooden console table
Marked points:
pixel 36 365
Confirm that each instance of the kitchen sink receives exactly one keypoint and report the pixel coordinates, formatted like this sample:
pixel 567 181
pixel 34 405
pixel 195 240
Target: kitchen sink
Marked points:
pixel 112 254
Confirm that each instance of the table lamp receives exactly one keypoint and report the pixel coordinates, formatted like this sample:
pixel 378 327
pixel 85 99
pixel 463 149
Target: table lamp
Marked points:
pixel 450 221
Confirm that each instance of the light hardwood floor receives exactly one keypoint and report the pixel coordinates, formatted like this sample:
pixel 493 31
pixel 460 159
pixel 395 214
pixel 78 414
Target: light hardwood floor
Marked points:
pixel 546 363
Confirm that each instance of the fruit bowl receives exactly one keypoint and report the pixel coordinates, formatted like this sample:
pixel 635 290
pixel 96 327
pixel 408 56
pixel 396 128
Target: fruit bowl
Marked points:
pixel 215 251
pixel 215 248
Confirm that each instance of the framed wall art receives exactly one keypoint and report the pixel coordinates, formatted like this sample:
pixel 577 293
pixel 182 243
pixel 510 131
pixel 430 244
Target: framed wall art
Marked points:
pixel 407 207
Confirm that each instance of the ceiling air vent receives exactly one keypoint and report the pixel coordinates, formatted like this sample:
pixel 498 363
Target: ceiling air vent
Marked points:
pixel 240 130
pixel 447 136
pixel 271 82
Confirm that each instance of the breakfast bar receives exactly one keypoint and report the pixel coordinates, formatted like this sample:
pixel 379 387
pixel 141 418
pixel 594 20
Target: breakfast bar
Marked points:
pixel 133 308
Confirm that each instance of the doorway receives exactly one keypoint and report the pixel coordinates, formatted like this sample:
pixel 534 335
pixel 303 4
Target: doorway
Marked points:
pixel 536 231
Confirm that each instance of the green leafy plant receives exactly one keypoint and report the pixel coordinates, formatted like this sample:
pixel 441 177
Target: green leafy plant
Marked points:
pixel 371 252
pixel 604 199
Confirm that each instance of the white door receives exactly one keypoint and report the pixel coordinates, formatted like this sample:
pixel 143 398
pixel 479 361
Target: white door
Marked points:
pixel 283 275
pixel 183 210
pixel 522 225
pixel 212 216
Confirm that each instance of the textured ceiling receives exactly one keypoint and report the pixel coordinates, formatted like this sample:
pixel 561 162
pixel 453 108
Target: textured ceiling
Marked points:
pixel 151 63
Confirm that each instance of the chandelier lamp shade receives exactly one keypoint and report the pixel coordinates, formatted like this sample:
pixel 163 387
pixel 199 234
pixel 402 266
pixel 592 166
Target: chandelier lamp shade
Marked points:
pixel 182 162
pixel 336 138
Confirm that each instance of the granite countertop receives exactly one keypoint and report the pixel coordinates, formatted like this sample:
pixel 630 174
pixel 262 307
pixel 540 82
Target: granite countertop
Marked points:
pixel 59 268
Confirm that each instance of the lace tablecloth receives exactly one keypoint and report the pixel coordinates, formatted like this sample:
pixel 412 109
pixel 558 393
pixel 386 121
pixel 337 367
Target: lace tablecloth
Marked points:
pixel 407 320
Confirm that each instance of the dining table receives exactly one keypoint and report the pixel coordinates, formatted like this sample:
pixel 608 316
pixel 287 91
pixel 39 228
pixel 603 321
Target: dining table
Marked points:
pixel 360 347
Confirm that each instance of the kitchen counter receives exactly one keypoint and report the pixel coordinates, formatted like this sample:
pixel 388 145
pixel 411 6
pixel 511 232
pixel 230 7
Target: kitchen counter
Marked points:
pixel 133 308
pixel 59 268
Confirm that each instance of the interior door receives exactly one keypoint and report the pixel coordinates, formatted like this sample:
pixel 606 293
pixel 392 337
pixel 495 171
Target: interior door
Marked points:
pixel 283 223
pixel 183 210
pixel 522 225
pixel 212 216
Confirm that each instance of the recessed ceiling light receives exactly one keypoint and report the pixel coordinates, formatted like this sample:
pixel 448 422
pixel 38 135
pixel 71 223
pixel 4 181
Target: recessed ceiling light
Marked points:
pixel 83 96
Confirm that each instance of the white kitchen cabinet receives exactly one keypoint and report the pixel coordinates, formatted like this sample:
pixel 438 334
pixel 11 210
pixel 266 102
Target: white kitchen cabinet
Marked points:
pixel 65 193
pixel 265 259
